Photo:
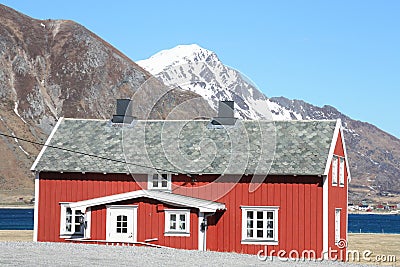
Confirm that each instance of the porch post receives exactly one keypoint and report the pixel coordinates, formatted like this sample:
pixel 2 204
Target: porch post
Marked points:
pixel 202 232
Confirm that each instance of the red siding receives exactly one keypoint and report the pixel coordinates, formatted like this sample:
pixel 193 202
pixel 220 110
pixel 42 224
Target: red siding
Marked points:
pixel 63 187
pixel 289 193
pixel 337 198
pixel 299 199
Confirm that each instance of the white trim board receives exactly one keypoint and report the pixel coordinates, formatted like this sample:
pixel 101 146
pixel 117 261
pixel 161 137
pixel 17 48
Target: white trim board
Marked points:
pixel 338 128
pixel 33 168
pixel 325 217
pixel 36 210
pixel 332 147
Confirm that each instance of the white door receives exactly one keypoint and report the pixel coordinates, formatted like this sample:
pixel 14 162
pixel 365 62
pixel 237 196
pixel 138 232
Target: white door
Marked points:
pixel 121 223
pixel 337 225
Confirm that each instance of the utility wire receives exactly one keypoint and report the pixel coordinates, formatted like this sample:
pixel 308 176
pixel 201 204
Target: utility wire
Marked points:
pixel 85 154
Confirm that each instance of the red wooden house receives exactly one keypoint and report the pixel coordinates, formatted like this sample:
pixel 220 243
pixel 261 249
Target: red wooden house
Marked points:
pixel 221 184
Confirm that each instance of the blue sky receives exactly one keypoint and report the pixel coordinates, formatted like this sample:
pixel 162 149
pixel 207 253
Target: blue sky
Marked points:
pixel 340 53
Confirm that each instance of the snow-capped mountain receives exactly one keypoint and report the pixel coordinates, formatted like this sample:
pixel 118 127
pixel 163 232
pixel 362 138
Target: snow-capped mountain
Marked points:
pixel 196 69
pixel 374 155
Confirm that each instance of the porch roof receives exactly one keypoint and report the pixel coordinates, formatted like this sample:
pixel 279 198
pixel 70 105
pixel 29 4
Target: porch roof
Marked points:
pixel 168 198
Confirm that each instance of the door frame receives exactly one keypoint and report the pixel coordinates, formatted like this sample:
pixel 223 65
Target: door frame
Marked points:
pixel 134 222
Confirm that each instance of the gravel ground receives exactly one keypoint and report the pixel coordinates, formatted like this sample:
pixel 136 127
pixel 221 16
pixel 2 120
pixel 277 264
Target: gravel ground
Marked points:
pixel 61 254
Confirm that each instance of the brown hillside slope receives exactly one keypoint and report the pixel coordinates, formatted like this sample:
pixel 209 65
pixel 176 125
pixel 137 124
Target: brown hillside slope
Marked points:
pixel 58 68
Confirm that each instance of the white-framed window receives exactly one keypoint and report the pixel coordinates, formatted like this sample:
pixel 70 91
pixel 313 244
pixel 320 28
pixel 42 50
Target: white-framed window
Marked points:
pixel 341 172
pixel 260 225
pixel 334 170
pixel 177 222
pixel 159 181
pixel 72 222
pixel 337 225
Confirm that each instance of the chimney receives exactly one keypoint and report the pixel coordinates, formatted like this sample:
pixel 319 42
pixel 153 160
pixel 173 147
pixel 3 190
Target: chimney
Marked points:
pixel 124 112
pixel 225 114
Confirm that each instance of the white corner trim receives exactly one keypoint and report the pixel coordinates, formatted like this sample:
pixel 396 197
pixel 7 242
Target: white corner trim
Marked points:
pixel 46 144
pixel 325 217
pixel 36 210
pixel 333 145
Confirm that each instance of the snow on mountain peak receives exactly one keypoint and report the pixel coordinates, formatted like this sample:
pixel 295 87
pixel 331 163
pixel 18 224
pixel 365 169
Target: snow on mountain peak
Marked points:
pixel 199 70
pixel 179 55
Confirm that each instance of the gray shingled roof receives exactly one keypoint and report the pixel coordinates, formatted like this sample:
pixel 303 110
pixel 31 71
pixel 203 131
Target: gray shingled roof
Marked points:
pixel 249 147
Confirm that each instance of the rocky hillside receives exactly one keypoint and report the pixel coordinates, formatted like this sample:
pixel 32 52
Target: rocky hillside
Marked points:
pixel 374 155
pixel 54 68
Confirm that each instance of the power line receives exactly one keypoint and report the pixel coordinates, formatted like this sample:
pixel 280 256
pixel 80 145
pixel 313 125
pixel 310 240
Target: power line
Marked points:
pixel 84 153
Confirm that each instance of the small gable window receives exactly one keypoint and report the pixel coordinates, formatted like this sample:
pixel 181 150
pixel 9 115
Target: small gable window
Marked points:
pixel 334 170
pixel 159 181
pixel 341 172
pixel 177 222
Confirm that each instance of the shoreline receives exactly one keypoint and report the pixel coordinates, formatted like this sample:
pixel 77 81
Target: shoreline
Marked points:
pixel 373 213
pixel 11 206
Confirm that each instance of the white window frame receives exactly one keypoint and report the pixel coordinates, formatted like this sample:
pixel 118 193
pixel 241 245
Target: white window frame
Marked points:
pixel 150 185
pixel 177 232
pixel 334 170
pixel 85 226
pixel 341 171
pixel 337 225
pixel 260 240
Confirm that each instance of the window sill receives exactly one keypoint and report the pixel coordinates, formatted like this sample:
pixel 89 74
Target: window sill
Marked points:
pixel 71 236
pixel 177 234
pixel 160 189
pixel 259 242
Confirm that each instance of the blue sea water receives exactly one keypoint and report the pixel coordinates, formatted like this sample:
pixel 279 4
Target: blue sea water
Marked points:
pixel 16 219
pixel 22 219
pixel 374 223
